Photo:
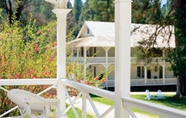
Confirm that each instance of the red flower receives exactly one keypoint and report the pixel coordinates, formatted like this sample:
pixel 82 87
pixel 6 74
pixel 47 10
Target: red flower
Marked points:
pixel 35 49
pixel 103 80
pixel 35 77
pixel 1 37
pixel 11 63
pixel 38 32
pixel 53 44
pixel 90 82
pixel 86 82
pixel 79 80
pixel 96 78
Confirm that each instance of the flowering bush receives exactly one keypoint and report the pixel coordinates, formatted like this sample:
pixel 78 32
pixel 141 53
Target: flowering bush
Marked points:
pixel 26 52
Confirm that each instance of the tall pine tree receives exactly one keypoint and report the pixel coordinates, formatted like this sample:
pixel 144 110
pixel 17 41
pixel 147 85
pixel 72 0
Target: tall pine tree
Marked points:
pixel 103 10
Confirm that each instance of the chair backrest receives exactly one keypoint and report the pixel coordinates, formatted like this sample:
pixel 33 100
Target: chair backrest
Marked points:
pixel 159 95
pixel 37 103
pixel 148 96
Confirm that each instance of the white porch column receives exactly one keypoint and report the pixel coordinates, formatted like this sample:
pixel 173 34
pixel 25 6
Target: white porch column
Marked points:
pixel 84 79
pixel 106 65
pixel 163 67
pixel 78 53
pixel 61 54
pixel 122 55
pixel 85 60
pixel 145 73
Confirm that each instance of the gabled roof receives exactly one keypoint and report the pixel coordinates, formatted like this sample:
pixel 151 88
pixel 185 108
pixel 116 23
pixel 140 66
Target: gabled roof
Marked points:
pixel 103 35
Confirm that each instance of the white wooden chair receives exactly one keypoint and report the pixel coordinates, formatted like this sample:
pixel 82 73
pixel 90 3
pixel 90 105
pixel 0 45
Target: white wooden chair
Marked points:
pixel 148 95
pixel 159 95
pixel 36 103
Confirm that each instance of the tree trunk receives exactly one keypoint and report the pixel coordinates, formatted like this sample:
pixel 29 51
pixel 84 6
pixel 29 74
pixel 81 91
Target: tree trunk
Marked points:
pixel 183 85
pixel 178 88
pixel 179 5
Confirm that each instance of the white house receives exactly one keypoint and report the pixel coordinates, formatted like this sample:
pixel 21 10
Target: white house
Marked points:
pixel 99 38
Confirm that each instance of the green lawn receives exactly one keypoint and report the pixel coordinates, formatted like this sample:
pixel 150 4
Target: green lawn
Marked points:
pixel 71 114
pixel 170 101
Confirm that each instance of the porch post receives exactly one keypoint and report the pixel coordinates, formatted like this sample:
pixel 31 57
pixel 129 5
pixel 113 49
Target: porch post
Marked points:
pixel 106 65
pixel 164 65
pixel 85 60
pixel 145 67
pixel 78 53
pixel 122 55
pixel 61 54
pixel 163 73
pixel 84 79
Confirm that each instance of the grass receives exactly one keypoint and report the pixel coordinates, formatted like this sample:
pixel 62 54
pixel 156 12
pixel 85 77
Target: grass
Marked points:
pixel 170 101
pixel 71 114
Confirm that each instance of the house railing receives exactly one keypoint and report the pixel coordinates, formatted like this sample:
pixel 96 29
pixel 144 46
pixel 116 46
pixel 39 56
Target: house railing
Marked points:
pixel 85 90
pixel 95 60
pixel 141 82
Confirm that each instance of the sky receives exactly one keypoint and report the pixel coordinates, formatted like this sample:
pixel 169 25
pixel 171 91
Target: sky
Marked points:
pixel 163 2
pixel 72 2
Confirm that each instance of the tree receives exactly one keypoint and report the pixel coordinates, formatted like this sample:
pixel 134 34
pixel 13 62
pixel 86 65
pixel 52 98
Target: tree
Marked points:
pixel 77 10
pixel 20 9
pixel 87 13
pixel 10 6
pixel 178 56
pixel 175 14
pixel 103 10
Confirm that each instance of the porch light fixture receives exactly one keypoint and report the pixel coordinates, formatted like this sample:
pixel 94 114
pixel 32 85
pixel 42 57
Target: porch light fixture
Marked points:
pixel 59 4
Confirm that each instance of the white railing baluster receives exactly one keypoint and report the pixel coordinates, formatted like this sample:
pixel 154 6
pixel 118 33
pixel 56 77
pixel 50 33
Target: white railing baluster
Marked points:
pixel 3 89
pixel 45 90
pixel 130 112
pixel 71 103
pixel 107 111
pixel 93 106
pixel 76 98
pixel 84 105
pixel 8 111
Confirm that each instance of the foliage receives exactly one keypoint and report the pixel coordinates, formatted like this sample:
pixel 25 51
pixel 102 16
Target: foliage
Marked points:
pixel 77 9
pixel 20 9
pixel 103 10
pixel 28 52
pixel 177 57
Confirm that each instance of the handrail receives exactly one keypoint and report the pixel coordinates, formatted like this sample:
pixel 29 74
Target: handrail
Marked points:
pixel 28 81
pixel 89 89
pixel 164 111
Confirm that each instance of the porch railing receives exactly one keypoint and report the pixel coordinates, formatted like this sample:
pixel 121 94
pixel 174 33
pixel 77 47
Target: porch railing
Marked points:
pixel 85 91
pixel 141 82
pixel 94 60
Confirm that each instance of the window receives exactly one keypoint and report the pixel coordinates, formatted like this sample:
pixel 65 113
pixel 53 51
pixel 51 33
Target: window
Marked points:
pixel 94 71
pixel 140 71
pixel 161 72
pixel 88 31
pixel 149 74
